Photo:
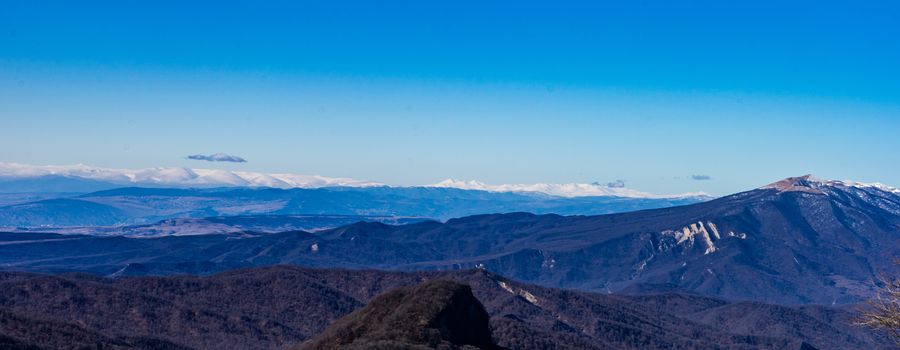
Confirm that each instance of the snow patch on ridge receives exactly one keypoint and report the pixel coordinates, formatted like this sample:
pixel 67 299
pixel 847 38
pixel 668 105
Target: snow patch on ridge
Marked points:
pixel 813 184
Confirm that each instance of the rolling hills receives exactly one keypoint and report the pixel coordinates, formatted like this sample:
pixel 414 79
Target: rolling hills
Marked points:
pixel 798 241
pixel 277 307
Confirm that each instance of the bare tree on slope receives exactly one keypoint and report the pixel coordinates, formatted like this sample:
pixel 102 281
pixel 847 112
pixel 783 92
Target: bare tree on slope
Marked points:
pixel 884 311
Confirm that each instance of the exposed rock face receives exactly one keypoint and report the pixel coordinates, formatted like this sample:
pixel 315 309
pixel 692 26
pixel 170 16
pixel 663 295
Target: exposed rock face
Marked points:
pixel 686 235
pixel 433 315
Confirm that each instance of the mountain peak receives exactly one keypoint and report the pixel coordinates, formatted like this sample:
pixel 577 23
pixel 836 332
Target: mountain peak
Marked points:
pixel 811 184
pixel 806 183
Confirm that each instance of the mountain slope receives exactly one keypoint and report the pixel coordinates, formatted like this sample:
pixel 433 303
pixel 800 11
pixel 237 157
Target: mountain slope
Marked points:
pixel 824 243
pixel 25 333
pixel 275 307
pixel 61 212
pixel 798 242
pixel 52 184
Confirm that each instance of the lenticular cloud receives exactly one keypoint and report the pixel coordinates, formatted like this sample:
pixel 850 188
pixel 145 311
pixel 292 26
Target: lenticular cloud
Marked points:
pixel 218 157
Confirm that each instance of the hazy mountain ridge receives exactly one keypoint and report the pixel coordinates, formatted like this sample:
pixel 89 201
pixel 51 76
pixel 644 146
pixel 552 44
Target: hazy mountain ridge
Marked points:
pixel 244 225
pixel 139 206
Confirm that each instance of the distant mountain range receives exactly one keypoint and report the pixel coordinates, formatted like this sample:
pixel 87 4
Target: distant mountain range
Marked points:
pixel 234 226
pixel 279 307
pixel 138 206
pixel 15 175
pixel 797 241
pixel 19 178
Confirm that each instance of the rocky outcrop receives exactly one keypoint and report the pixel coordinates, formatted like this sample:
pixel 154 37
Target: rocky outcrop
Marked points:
pixel 433 315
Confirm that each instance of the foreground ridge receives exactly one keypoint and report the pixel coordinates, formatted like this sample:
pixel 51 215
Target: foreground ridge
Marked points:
pixel 435 314
pixel 283 306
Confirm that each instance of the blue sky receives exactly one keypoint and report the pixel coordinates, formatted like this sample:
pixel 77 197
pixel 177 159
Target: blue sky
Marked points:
pixel 414 92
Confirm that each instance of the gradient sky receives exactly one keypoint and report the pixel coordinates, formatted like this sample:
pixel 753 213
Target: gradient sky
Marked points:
pixel 652 92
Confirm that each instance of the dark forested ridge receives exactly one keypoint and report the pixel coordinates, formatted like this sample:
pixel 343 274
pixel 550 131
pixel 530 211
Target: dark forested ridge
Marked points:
pixel 433 314
pixel 277 307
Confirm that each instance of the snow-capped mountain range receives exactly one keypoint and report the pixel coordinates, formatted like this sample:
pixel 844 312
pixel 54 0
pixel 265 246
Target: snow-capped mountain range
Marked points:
pixel 178 177
pixel 562 190
pixel 187 177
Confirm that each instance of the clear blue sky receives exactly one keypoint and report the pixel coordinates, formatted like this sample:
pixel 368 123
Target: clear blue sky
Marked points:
pixel 652 92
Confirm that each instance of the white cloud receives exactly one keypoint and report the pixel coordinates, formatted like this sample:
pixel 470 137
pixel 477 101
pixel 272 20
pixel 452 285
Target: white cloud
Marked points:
pixel 217 157
pixel 179 177
pixel 187 177
pixel 562 190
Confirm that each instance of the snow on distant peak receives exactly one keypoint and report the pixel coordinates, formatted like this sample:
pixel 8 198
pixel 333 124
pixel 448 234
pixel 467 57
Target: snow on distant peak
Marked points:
pixel 178 177
pixel 875 185
pixel 562 190
pixel 813 184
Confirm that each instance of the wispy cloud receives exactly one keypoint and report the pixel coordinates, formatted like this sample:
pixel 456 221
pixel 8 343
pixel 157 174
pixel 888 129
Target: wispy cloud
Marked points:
pixel 616 184
pixel 217 157
pixel 701 177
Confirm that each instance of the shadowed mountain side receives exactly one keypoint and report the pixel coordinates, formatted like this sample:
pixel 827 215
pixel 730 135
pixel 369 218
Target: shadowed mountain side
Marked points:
pixel 275 307
pixel 43 334
pixel 438 314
